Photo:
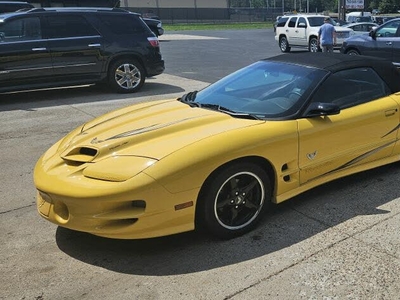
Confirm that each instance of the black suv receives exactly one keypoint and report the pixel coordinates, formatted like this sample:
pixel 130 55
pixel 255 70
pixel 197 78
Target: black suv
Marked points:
pixel 52 47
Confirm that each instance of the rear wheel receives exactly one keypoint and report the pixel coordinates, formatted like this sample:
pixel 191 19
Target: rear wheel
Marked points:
pixel 235 200
pixel 283 44
pixel 126 75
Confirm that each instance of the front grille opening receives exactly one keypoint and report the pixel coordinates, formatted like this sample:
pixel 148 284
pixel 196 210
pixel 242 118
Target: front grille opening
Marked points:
pixel 139 204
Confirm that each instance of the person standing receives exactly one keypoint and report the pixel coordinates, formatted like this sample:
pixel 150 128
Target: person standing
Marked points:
pixel 327 36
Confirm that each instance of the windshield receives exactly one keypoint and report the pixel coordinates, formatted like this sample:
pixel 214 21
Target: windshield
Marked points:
pixel 316 21
pixel 264 89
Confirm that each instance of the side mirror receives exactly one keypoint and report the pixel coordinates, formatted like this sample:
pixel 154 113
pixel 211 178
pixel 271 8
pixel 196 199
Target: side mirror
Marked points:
pixel 372 34
pixel 318 109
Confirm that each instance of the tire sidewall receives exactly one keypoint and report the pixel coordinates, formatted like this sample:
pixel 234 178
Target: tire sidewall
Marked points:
pixel 283 39
pixel 313 45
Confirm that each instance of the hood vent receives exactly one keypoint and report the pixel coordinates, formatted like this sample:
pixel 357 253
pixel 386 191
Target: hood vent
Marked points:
pixel 81 154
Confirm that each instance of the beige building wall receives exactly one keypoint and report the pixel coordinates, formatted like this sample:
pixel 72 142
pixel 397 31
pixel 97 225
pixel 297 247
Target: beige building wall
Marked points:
pixel 175 3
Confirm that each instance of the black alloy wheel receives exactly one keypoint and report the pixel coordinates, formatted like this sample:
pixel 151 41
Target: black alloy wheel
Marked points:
pixel 236 200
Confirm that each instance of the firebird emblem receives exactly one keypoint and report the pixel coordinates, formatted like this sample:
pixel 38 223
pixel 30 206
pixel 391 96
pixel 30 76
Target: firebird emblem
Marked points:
pixel 311 156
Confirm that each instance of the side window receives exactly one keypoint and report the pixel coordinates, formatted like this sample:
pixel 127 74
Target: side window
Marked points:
pixel 389 29
pixel 292 22
pixel 282 21
pixel 123 24
pixel 351 87
pixel 302 23
pixel 23 29
pixel 69 26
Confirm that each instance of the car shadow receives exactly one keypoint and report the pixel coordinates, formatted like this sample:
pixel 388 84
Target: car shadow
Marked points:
pixel 31 100
pixel 287 224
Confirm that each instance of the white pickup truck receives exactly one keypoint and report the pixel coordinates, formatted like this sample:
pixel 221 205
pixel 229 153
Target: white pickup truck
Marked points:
pixel 302 31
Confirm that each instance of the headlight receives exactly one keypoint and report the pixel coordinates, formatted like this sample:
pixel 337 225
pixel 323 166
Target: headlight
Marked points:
pixel 118 168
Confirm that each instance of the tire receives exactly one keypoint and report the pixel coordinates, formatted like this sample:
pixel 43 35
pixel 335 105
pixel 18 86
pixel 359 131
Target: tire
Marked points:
pixel 313 45
pixel 353 52
pixel 283 44
pixel 126 76
pixel 235 200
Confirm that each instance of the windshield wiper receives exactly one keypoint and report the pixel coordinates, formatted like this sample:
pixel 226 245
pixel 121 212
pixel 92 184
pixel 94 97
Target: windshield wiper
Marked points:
pixel 188 97
pixel 230 112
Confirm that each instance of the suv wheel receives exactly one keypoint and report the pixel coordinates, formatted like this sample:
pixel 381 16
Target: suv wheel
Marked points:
pixel 126 75
pixel 313 45
pixel 283 44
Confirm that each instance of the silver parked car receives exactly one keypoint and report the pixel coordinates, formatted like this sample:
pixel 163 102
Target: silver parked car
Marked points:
pixel 361 27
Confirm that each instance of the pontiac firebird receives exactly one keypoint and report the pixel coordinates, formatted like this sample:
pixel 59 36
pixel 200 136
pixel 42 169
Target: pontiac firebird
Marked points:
pixel 216 158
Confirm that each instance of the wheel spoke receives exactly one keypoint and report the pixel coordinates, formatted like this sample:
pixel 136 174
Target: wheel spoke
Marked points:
pixel 249 187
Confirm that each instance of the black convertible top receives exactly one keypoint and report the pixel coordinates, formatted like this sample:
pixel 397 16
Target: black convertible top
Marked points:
pixel 334 62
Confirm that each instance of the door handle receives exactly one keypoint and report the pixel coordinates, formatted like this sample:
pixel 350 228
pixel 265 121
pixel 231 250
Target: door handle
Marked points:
pixel 94 45
pixel 39 49
pixel 389 43
pixel 390 112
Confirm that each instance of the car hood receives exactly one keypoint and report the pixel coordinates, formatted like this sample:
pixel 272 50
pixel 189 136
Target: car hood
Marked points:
pixel 359 38
pixel 153 130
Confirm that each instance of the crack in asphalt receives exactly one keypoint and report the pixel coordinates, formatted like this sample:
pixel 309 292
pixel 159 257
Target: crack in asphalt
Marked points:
pixel 15 209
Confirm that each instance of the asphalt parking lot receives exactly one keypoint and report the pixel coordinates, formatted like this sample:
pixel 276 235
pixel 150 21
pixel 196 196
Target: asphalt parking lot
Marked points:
pixel 338 241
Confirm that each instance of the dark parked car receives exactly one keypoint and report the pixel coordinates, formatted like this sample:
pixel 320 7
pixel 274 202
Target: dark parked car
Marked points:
pixel 70 46
pixel 10 6
pixel 382 42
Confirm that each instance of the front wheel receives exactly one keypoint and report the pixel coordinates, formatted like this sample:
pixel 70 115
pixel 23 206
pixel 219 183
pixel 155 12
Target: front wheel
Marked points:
pixel 284 44
pixel 353 52
pixel 236 200
pixel 126 76
pixel 313 45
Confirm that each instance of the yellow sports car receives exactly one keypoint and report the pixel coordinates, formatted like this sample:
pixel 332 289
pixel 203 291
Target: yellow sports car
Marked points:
pixel 217 158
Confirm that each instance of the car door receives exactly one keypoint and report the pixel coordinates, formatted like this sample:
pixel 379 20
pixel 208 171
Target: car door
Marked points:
pixel 365 129
pixel 24 52
pixel 300 32
pixel 291 31
pixel 75 46
pixel 396 46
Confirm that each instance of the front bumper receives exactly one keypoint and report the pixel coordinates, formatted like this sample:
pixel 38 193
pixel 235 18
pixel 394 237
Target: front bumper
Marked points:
pixel 136 208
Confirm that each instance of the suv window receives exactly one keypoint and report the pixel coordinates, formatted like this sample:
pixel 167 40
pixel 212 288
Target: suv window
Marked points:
pixel 282 21
pixel 292 22
pixel 21 30
pixel 123 24
pixel 389 29
pixel 351 87
pixel 316 21
pixel 69 26
pixel 302 21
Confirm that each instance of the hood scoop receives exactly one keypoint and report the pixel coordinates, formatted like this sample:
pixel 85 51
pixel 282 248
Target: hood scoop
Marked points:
pixel 80 154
